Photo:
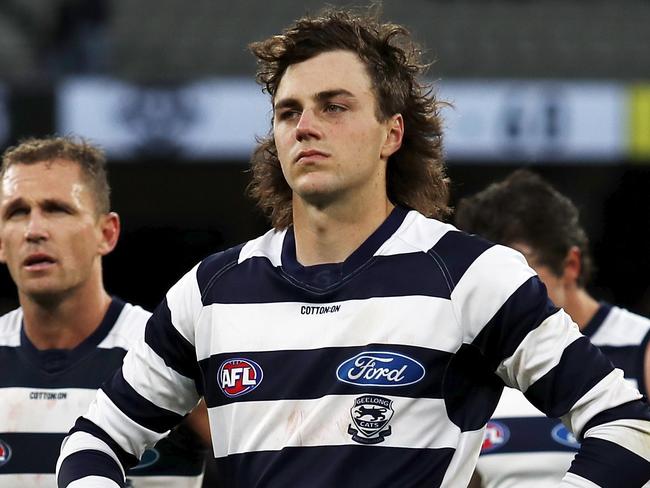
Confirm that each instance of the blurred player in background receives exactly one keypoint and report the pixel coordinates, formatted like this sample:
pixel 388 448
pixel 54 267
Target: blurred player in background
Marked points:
pixel 361 342
pixel 522 447
pixel 68 335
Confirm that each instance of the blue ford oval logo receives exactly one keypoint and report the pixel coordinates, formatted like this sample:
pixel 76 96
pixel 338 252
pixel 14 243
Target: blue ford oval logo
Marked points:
pixel 380 368
pixel 562 435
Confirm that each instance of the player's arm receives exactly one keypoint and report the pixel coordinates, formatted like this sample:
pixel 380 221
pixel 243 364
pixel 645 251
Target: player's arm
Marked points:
pixel 536 348
pixel 150 395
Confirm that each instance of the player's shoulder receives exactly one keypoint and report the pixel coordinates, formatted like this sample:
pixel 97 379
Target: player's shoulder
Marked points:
pixel 621 327
pixel 128 327
pixel 10 324
pixel 267 247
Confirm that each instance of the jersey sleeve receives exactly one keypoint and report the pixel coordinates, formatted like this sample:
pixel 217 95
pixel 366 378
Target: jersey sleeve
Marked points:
pixel 156 386
pixel 535 347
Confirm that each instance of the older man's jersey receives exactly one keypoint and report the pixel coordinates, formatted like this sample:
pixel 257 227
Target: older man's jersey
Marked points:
pixel 380 371
pixel 523 448
pixel 42 392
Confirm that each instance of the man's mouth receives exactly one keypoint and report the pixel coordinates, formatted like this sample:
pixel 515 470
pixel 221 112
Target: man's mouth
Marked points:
pixel 38 261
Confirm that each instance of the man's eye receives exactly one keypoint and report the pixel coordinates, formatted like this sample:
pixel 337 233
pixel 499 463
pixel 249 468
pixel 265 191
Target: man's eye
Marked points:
pixel 334 108
pixel 288 115
pixel 17 212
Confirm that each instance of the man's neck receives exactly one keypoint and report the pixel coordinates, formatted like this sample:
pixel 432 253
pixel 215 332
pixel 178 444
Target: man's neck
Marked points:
pixel 581 306
pixel 64 323
pixel 332 234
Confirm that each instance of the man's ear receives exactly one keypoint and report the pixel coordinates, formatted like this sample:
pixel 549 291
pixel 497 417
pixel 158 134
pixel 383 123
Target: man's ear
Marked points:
pixel 110 232
pixel 394 136
pixel 572 265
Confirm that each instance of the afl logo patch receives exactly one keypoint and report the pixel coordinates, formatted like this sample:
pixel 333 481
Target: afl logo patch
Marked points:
pixel 562 435
pixel 496 436
pixel 5 452
pixel 239 376
pixel 380 368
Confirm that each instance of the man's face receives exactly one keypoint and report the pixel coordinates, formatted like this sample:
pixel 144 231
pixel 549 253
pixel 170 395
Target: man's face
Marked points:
pixel 555 285
pixel 326 131
pixel 51 238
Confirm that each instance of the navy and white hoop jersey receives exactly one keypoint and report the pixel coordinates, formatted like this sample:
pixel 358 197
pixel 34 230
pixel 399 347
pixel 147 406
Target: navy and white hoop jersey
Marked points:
pixel 42 392
pixel 523 448
pixel 380 371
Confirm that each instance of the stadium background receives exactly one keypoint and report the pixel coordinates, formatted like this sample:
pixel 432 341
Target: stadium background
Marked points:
pixel 562 87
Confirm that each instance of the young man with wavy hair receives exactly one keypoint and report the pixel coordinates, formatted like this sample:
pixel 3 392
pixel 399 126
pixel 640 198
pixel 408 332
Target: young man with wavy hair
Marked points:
pixel 361 341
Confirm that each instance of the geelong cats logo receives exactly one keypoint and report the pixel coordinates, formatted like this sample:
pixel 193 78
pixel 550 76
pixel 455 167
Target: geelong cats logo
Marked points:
pixel 239 376
pixel 380 368
pixel 370 417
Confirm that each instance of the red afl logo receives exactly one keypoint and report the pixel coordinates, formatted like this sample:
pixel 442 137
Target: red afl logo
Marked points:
pixel 5 453
pixel 239 376
pixel 496 435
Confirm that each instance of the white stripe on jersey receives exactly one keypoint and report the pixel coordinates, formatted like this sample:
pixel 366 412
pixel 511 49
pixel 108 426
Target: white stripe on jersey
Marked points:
pixel 414 235
pixel 158 374
pixel 93 482
pixel 63 409
pixel 539 352
pixel 621 328
pixel 471 288
pixel 460 470
pixel 571 480
pixel 123 333
pixel 137 438
pixel 513 404
pixel 272 326
pixel 636 443
pixel 608 393
pixel 268 246
pixel 545 470
pixel 416 423
pixel 82 441
pixel 10 325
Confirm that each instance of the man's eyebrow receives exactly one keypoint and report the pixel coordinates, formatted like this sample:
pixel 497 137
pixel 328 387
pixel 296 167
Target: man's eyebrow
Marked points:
pixel 12 205
pixel 320 97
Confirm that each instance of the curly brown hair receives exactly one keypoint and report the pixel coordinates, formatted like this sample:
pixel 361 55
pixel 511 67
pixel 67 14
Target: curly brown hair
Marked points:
pixel 416 175
pixel 90 159
pixel 526 209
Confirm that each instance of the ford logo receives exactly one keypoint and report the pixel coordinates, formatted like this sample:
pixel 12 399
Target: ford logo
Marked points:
pixel 380 368
pixel 562 435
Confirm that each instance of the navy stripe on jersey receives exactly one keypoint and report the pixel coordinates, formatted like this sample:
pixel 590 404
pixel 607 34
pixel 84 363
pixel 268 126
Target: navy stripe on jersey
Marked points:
pixel 176 351
pixel 19 372
pixel 326 467
pixel 309 374
pixel 629 359
pixel 523 312
pixel 638 410
pixel 84 425
pixel 99 463
pixel 31 453
pixel 321 277
pixel 212 267
pixel 138 407
pixel 601 462
pixel 558 390
pixel 471 389
pixel 532 434
pixel 256 280
pixel 456 252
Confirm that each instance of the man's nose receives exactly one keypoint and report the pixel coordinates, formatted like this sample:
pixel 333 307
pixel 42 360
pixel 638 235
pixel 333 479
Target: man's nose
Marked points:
pixel 37 227
pixel 307 126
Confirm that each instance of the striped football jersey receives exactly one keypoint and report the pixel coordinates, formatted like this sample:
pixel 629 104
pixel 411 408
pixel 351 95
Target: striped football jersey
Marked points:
pixel 379 371
pixel 522 448
pixel 42 392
